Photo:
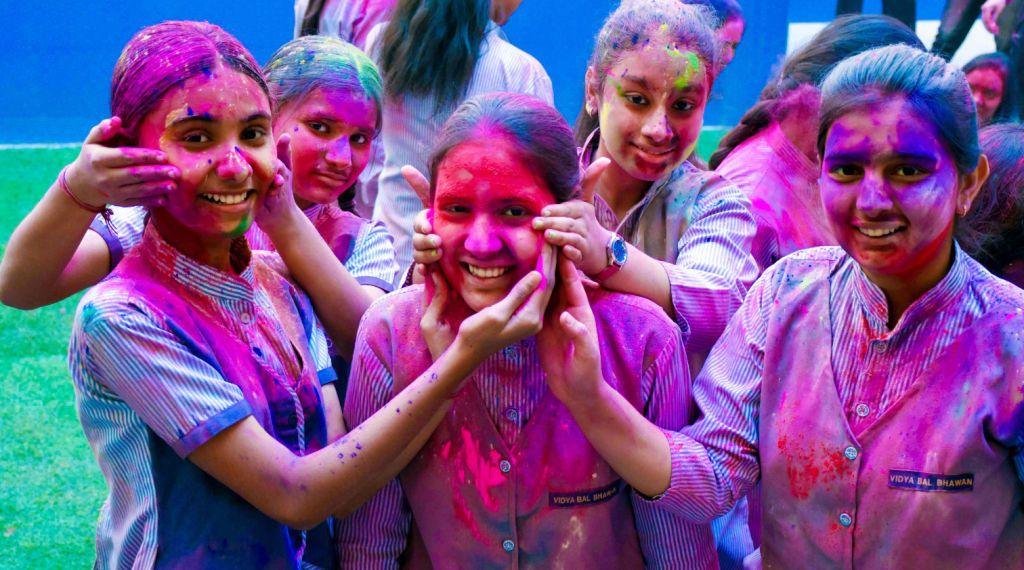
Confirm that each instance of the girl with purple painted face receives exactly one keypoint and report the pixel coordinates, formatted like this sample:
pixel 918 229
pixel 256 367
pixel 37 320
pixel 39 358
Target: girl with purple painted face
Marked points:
pixel 545 456
pixel 202 377
pixel 874 388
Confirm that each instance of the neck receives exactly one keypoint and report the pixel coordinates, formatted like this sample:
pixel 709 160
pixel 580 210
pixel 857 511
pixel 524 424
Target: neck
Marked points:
pixel 617 188
pixel 212 251
pixel 801 130
pixel 901 290
pixel 303 203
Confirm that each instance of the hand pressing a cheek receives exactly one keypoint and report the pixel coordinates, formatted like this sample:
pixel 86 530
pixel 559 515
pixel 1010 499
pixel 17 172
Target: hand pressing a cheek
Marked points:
pixel 108 174
pixel 279 211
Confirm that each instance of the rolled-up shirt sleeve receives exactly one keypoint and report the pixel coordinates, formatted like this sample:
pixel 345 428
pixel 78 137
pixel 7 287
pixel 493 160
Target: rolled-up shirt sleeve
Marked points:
pixel 715 460
pixel 375 535
pixel 373 258
pixel 667 540
pixel 180 395
pixel 713 268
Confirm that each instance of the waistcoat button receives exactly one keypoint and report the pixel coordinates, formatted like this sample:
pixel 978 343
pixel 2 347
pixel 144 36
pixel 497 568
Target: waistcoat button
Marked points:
pixel 508 545
pixel 851 453
pixel 512 414
pixel 505 466
pixel 863 410
pixel 845 519
pixel 246 318
pixel 881 346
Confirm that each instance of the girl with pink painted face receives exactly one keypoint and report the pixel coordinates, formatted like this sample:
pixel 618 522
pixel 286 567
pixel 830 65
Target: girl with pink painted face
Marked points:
pixel 874 388
pixel 202 376
pixel 522 471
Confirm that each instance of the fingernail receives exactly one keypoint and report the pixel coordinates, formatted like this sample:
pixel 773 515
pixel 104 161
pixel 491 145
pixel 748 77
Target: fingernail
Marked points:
pixel 545 212
pixel 434 241
pixel 174 173
pixel 537 223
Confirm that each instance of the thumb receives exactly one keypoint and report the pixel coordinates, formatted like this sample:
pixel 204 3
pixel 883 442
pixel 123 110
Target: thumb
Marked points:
pixel 419 183
pixel 105 131
pixel 284 151
pixel 591 175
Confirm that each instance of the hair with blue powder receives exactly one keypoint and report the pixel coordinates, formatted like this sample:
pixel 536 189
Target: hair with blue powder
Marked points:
pixel 308 63
pixel 723 10
pixel 935 90
pixel 1000 63
pixel 535 129
pixel 431 47
pixel 636 23
pixel 843 37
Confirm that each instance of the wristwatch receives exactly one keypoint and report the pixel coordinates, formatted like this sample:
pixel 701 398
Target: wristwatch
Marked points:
pixel 617 253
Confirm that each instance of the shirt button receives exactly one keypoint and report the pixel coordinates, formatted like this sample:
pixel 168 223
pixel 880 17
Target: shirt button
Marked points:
pixel 508 545
pixel 851 453
pixel 505 466
pixel 863 410
pixel 512 414
pixel 845 519
pixel 246 318
pixel 881 346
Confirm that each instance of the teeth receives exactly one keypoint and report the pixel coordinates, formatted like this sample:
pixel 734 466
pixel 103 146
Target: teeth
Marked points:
pixel 487 272
pixel 225 198
pixel 877 233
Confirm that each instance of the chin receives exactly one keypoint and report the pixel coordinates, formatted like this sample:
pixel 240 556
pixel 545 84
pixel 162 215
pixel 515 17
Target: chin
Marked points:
pixel 480 300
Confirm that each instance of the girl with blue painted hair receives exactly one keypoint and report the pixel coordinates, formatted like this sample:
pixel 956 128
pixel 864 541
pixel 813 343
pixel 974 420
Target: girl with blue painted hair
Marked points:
pixel 874 388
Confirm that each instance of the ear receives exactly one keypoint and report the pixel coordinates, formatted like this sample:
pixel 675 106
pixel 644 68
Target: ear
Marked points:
pixel 592 95
pixel 970 185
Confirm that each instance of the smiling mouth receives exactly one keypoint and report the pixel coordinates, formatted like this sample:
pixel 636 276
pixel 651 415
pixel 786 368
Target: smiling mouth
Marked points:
pixel 485 272
pixel 879 232
pixel 334 178
pixel 228 199
pixel 655 152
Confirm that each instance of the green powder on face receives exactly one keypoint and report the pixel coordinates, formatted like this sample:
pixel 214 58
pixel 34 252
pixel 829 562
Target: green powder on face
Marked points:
pixel 692 66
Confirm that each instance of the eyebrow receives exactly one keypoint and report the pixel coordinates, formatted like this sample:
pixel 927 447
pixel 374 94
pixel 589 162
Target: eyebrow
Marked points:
pixel 206 118
pixel 638 80
pixel 855 156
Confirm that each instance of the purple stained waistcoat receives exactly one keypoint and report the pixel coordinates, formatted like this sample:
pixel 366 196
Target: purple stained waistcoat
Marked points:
pixel 544 497
pixel 928 484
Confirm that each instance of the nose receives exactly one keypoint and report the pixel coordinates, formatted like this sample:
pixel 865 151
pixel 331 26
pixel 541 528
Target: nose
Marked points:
pixel 481 239
pixel 873 197
pixel 234 167
pixel 656 127
pixel 339 154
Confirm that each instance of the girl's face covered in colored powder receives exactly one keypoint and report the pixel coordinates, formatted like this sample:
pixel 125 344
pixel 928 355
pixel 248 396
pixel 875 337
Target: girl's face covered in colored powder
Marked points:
pixel 891 190
pixel 331 135
pixel 485 199
pixel 651 108
pixel 215 128
pixel 987 90
pixel 729 37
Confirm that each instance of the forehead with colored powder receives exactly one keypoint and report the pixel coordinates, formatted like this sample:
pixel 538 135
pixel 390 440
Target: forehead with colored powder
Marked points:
pixel 881 131
pixel 659 64
pixel 332 104
pixel 489 169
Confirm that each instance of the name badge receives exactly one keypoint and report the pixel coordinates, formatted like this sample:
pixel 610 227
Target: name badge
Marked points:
pixel 583 498
pixel 917 481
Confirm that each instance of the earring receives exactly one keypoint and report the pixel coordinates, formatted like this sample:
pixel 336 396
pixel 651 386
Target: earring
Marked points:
pixel 590 109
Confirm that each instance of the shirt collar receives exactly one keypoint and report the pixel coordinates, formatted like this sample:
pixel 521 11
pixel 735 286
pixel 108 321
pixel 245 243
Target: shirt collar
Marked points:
pixel 947 290
pixel 794 160
pixel 202 278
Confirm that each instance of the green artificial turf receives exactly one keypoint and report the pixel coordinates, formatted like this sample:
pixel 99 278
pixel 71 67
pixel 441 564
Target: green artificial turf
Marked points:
pixel 51 486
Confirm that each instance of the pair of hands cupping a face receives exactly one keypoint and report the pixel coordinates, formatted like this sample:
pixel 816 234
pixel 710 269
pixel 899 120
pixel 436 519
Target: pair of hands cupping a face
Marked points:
pixel 567 337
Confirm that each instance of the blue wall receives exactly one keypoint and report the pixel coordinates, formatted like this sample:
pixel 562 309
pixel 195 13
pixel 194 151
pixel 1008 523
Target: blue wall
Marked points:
pixel 57 56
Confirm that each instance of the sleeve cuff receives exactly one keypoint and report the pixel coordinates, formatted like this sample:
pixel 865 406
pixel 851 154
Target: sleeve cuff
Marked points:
pixel 100 226
pixel 206 431
pixel 377 282
pixel 326 376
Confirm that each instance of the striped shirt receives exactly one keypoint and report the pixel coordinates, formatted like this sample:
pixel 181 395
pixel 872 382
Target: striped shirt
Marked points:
pixel 511 384
pixel 349 20
pixel 371 260
pixel 716 459
pixel 782 185
pixel 411 126
pixel 148 395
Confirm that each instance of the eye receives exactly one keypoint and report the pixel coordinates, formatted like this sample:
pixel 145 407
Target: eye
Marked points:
pixel 360 138
pixel 635 98
pixel 254 133
pixel 515 212
pixel 455 209
pixel 845 172
pixel 318 127
pixel 910 172
pixel 683 105
pixel 196 137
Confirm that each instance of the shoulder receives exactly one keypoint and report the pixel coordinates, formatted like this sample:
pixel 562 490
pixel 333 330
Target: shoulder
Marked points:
pixel 115 303
pixel 396 310
pixel 996 295
pixel 705 187
pixel 630 320
pixel 801 271
pixel 497 52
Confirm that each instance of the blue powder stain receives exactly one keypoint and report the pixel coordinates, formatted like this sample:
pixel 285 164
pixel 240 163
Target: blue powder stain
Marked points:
pixel 190 112
pixel 636 38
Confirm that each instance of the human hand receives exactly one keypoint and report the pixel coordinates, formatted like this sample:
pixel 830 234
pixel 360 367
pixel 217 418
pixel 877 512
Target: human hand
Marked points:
pixel 426 245
pixel 568 344
pixel 278 209
pixel 573 225
pixel 437 330
pixel 106 173
pixel 519 315
pixel 990 12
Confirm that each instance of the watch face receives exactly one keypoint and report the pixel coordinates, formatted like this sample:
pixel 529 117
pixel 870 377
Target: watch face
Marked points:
pixel 618 250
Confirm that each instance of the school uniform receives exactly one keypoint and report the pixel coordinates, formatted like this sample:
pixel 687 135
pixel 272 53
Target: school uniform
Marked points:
pixel 349 20
pixel 508 479
pixel 165 354
pixel 878 448
pixel 782 186
pixel 412 125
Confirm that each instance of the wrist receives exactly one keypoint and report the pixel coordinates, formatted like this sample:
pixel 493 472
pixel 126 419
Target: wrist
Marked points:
pixel 586 404
pixel 283 225
pixel 83 195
